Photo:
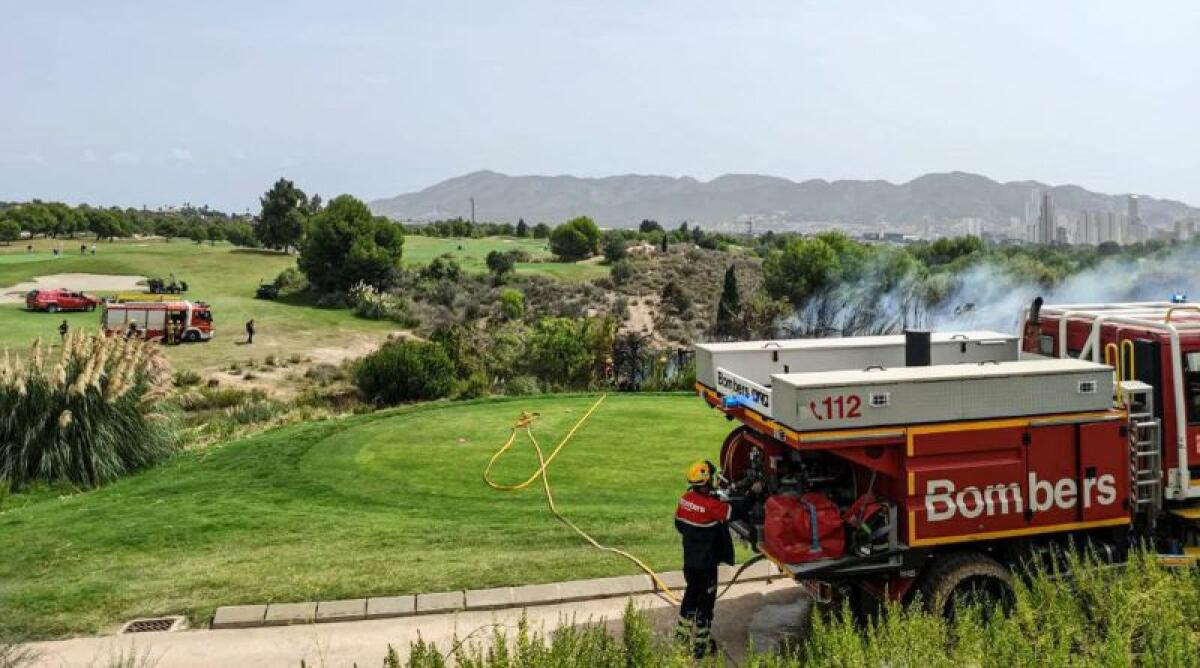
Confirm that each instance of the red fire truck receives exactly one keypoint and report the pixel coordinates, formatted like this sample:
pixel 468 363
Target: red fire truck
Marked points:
pixel 925 463
pixel 170 321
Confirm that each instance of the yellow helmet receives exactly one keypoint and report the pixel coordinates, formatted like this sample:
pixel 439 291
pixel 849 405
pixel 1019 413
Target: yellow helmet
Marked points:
pixel 701 473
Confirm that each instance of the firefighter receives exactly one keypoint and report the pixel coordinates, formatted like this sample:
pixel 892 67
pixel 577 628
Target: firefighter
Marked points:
pixel 249 331
pixel 702 520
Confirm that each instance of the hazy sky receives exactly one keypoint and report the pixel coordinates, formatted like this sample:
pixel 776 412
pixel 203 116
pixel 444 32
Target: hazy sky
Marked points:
pixel 208 102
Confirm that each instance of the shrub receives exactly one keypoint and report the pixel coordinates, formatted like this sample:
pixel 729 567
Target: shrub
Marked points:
pixel 565 352
pixel 621 271
pixel 500 264
pixel 253 412
pixel 186 378
pixel 404 371
pixel 522 386
pixel 442 268
pixel 324 373
pixel 373 304
pixel 92 417
pixel 213 398
pixel 512 304
pixel 291 279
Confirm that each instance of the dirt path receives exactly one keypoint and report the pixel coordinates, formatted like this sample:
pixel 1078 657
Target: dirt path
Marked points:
pixel 83 282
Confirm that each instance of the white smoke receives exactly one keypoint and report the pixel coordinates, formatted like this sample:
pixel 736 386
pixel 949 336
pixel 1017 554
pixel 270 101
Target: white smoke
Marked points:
pixel 988 296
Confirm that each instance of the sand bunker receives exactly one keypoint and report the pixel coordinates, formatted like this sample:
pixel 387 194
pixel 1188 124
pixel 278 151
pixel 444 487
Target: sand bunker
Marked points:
pixel 83 282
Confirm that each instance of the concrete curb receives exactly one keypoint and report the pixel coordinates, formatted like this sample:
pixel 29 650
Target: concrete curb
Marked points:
pixel 496 598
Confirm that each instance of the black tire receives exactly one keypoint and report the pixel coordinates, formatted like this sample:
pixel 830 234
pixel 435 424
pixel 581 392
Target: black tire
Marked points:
pixel 970 578
pixel 51 308
pixel 191 336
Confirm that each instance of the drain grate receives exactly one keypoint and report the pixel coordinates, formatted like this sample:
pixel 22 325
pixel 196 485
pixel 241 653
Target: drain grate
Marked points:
pixel 153 625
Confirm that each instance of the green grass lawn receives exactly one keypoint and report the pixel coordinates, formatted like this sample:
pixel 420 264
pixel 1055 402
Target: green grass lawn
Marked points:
pixel 224 276
pixel 380 504
pixel 227 277
pixel 420 250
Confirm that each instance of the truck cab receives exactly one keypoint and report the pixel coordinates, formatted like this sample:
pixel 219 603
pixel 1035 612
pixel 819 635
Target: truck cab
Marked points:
pixel 1155 343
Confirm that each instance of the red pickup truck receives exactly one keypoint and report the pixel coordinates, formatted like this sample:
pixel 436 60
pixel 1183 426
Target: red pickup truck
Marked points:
pixel 59 300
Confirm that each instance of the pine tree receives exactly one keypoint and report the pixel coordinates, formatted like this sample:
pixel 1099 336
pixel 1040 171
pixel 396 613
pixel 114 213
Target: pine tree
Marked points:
pixel 522 228
pixel 730 307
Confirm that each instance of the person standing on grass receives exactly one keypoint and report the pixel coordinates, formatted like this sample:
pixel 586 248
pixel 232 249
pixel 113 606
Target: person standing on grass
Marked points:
pixel 93 249
pixel 62 330
pixel 249 331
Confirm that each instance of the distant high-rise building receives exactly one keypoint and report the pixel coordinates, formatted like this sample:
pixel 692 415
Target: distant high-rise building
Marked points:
pixel 1047 221
pixel 1134 217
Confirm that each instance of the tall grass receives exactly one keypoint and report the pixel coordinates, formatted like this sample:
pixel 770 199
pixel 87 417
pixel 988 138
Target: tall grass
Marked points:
pixel 88 416
pixel 1138 615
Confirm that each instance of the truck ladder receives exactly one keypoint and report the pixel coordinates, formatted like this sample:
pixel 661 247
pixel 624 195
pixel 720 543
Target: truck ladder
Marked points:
pixel 1145 451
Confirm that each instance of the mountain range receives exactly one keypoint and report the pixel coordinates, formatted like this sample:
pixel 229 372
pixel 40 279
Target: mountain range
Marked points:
pixel 623 201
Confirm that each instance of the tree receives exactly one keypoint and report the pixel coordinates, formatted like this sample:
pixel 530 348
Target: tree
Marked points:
pixel 197 233
pixel 648 226
pixel 522 228
pixel 614 248
pixel 239 233
pixel 346 244
pixel 729 307
pixel 575 239
pixel 662 244
pixel 281 222
pixel 314 205
pixel 541 231
pixel 800 269
pixel 10 230
pixel 500 264
pixel 104 224
pixel 166 228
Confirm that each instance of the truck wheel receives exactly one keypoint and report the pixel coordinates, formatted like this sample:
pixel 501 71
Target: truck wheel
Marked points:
pixel 970 578
pixel 191 336
pixel 52 308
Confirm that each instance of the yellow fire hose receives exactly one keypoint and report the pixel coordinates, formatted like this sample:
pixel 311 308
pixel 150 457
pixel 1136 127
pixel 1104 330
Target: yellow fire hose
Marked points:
pixel 525 423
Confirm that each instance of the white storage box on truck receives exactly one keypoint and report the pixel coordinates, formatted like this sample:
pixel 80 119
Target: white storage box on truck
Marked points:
pixel 756 361
pixel 916 395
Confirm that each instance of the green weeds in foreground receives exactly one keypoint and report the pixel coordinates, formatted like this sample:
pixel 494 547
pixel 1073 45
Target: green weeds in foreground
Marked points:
pixel 1140 615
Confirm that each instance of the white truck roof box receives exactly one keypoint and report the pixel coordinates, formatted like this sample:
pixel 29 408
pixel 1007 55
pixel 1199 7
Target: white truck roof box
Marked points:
pixel 915 395
pixel 756 361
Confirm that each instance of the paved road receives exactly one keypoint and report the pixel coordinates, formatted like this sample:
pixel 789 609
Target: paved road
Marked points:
pixel 759 610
